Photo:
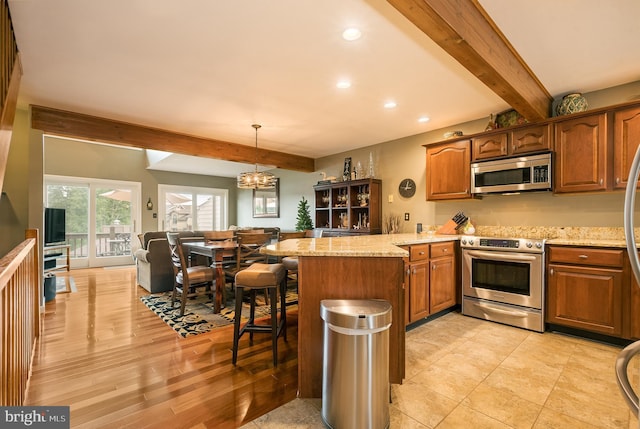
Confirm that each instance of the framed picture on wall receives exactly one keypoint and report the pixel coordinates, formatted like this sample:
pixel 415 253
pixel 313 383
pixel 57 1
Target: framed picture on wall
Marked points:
pixel 266 202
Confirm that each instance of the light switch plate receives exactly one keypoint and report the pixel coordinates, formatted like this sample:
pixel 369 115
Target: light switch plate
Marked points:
pixel 406 216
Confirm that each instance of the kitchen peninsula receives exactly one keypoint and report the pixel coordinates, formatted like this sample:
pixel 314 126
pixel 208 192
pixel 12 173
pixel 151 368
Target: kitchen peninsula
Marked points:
pixel 350 267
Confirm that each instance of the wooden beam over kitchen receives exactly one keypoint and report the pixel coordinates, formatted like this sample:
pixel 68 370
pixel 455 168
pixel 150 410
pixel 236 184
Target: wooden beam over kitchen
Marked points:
pixel 464 30
pixel 76 125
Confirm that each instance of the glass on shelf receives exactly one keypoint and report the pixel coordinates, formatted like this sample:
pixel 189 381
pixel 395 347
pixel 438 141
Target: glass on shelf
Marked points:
pixel 363 196
pixel 325 198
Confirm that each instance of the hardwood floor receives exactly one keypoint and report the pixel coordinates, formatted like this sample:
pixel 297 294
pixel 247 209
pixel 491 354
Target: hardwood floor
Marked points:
pixel 117 364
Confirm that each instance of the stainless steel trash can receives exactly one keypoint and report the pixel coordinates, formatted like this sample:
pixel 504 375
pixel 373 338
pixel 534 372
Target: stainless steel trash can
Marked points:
pixel 355 376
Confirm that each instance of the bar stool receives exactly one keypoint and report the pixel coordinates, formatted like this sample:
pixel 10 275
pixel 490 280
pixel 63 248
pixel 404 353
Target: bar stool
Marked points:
pixel 269 277
pixel 290 264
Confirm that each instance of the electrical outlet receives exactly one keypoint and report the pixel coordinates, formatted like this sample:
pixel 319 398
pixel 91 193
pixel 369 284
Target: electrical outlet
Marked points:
pixel 406 216
pixel 390 198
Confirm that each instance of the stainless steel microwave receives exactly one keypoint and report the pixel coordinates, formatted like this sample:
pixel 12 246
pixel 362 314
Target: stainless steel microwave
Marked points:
pixel 524 173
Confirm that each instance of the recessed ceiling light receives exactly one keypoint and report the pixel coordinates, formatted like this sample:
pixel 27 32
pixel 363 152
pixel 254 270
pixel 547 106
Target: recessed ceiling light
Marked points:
pixel 423 119
pixel 351 34
pixel 390 104
pixel 342 84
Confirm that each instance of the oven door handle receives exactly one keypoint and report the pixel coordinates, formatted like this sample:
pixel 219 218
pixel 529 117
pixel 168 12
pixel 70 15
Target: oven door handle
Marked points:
pixel 518 257
pixel 501 310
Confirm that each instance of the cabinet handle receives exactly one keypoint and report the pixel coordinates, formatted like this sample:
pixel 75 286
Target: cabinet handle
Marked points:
pixel 583 257
pixel 433 267
pixel 414 271
pixel 617 180
pixel 444 250
pixel 420 253
pixel 551 272
pixel 408 271
pixel 601 181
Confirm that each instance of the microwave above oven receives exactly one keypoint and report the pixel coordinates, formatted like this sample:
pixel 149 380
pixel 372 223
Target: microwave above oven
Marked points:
pixel 523 173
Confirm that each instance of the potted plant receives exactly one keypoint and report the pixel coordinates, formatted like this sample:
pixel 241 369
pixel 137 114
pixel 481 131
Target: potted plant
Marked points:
pixel 304 221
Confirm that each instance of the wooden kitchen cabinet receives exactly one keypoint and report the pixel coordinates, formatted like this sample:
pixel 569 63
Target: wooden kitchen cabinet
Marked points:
pixel 626 138
pixel 490 146
pixel 417 283
pixel 448 170
pixel 534 138
pixel 430 280
pixel 442 277
pixel 519 141
pixel 581 161
pixel 585 289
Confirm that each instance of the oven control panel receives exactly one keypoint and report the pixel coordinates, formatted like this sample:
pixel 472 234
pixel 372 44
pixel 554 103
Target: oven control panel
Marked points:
pixel 496 243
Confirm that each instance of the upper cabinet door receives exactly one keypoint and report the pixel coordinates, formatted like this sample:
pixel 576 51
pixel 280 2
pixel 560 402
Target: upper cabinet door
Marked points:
pixel 581 154
pixel 492 146
pixel 626 138
pixel 536 138
pixel 448 171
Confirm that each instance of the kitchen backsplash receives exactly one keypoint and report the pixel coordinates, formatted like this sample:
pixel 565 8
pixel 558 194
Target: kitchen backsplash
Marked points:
pixel 550 232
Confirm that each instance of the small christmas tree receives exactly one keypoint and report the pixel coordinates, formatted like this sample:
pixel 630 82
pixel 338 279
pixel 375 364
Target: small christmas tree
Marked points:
pixel 304 216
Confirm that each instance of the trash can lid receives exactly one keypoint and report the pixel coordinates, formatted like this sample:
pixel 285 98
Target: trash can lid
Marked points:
pixel 356 313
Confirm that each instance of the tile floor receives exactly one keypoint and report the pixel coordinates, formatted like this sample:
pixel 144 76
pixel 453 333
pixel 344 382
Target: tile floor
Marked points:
pixel 463 372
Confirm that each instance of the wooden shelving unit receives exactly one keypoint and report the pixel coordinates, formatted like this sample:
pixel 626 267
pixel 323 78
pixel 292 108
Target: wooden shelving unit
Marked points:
pixel 350 207
pixel 55 253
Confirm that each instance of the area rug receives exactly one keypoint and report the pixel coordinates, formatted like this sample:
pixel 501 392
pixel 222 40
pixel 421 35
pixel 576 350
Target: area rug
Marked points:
pixel 65 284
pixel 199 317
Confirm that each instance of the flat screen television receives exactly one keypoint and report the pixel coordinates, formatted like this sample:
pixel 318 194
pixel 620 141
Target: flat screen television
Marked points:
pixel 54 226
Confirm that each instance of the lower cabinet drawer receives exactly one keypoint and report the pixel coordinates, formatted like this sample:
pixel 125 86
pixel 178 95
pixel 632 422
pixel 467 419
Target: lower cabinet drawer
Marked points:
pixel 418 252
pixel 587 256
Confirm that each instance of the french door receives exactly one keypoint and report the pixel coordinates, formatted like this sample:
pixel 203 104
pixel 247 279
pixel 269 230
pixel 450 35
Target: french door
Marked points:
pixel 101 218
pixel 188 208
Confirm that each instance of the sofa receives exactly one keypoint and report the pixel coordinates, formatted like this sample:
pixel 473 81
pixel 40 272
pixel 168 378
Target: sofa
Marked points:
pixel 154 270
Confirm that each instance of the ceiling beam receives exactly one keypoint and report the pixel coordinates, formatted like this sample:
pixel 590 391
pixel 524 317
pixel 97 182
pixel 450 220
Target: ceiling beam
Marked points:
pixel 466 32
pixel 76 125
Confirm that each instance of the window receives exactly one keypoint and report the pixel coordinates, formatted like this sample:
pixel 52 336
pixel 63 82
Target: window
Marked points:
pixel 101 218
pixel 192 208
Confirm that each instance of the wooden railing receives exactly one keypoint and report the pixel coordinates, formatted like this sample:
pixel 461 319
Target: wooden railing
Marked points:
pixel 10 74
pixel 8 51
pixel 20 281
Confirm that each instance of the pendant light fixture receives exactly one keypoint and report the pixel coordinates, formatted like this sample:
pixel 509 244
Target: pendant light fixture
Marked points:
pixel 256 179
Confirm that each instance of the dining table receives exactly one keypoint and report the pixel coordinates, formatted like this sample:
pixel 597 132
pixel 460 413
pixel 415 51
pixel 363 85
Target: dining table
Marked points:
pixel 216 251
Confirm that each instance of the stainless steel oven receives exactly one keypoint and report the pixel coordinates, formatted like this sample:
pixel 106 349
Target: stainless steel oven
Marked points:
pixel 503 280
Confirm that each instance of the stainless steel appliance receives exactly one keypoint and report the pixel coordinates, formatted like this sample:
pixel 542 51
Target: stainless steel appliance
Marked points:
pixel 503 280
pixel 525 173
pixel 624 358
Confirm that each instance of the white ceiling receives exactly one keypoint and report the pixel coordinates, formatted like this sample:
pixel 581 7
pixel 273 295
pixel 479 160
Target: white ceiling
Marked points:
pixel 212 68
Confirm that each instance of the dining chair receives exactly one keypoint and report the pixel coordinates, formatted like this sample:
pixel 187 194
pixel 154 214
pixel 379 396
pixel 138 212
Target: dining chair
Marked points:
pixel 290 235
pixel 313 233
pixel 189 281
pixel 229 256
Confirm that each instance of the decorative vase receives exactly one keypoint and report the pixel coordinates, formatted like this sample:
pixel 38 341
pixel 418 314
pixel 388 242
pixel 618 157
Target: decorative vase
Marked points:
pixel 572 103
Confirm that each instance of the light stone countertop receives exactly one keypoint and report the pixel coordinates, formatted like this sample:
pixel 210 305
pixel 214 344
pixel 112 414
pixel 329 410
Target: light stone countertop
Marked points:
pixel 386 245
pixel 379 245
pixel 588 242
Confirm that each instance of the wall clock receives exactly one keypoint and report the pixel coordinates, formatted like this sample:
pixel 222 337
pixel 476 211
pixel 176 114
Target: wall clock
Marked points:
pixel 407 188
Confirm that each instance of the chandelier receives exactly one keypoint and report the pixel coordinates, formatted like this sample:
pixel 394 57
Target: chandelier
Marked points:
pixel 256 179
